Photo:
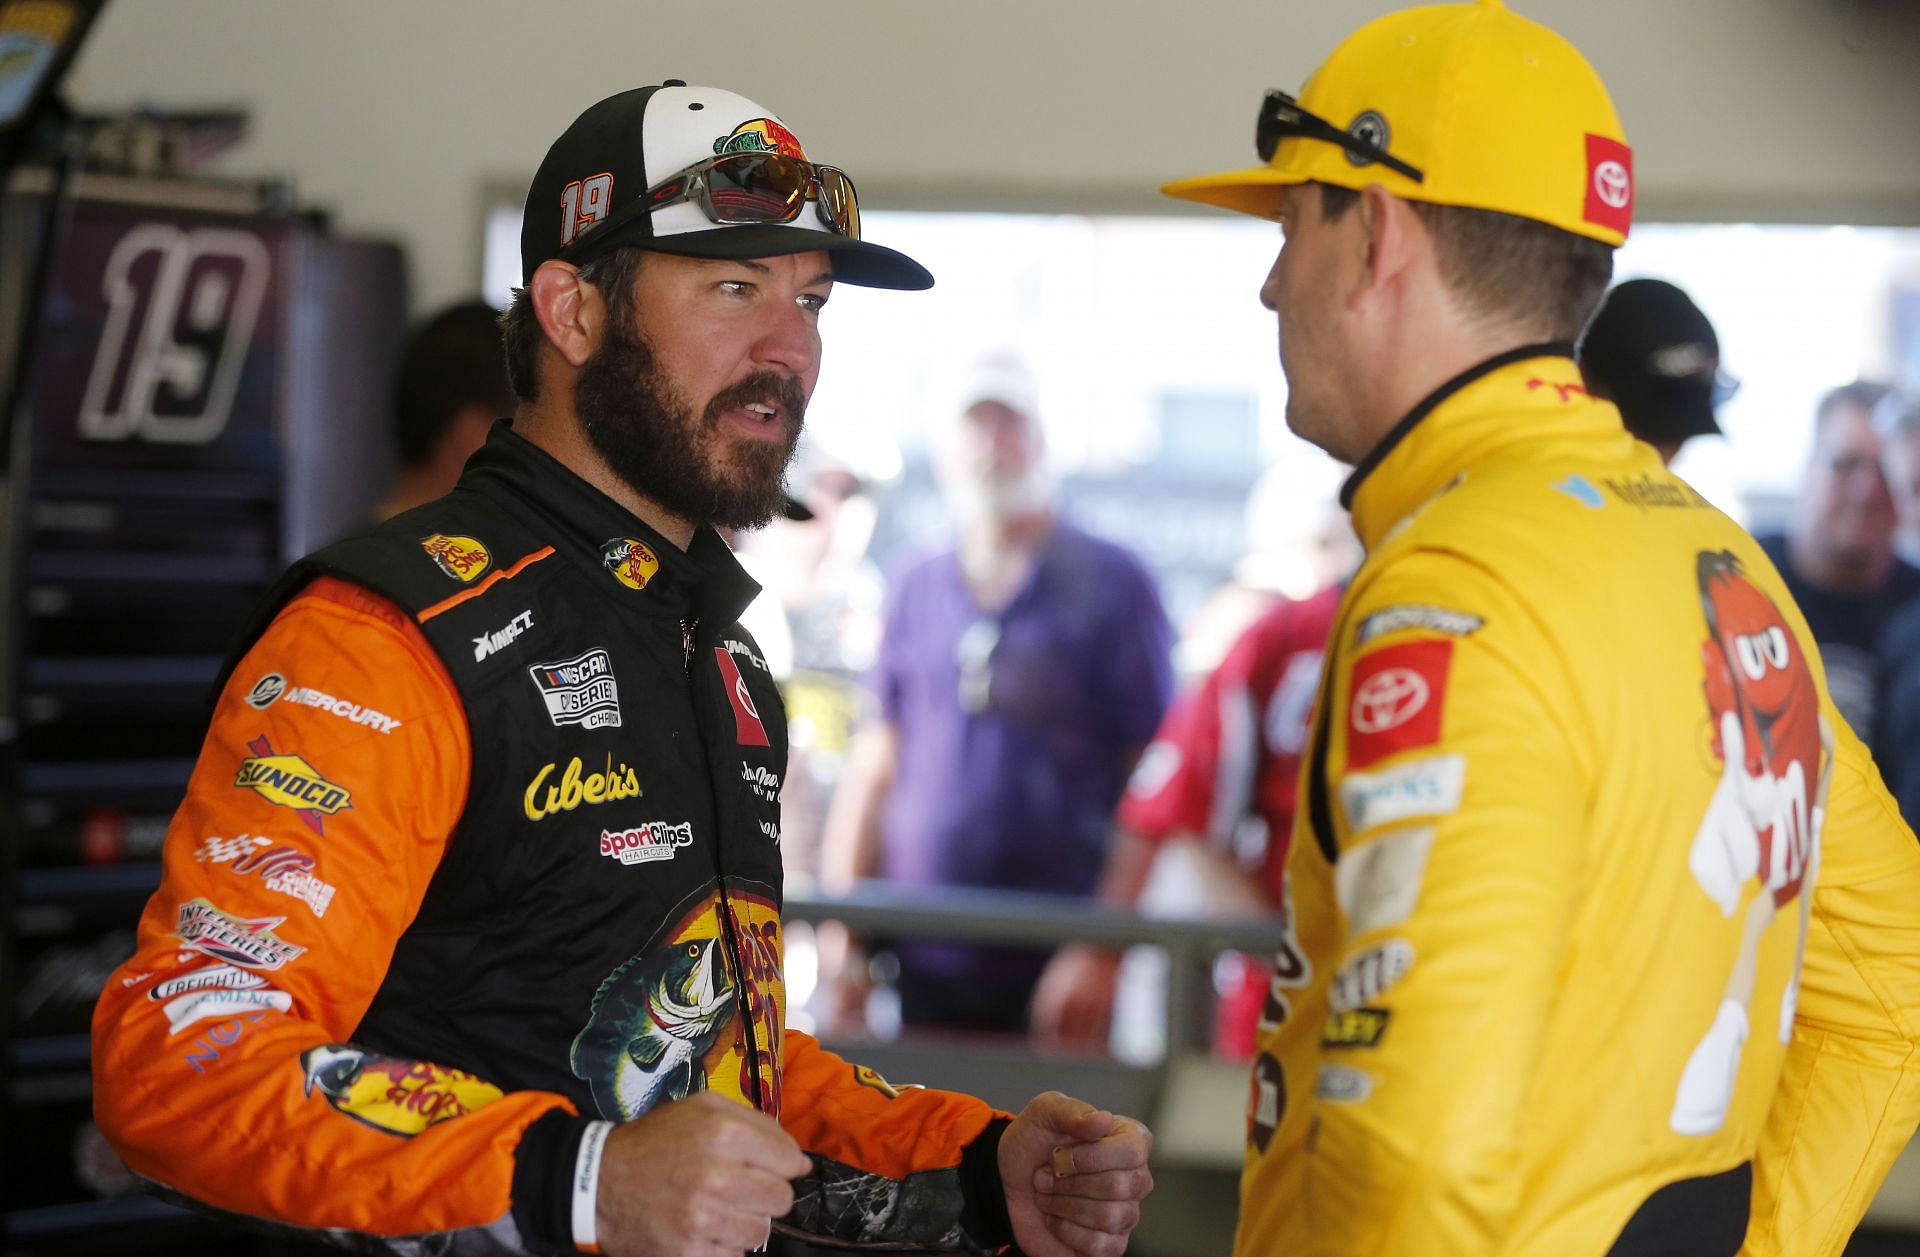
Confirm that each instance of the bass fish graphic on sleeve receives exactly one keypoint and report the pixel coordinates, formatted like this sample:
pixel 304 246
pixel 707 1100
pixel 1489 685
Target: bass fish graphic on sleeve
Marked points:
pixel 654 1020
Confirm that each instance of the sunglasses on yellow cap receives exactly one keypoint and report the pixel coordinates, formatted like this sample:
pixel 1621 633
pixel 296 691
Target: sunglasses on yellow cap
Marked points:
pixel 739 188
pixel 1282 118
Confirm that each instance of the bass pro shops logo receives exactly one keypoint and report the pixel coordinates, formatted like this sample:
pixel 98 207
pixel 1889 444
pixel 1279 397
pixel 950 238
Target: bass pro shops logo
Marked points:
pixel 632 562
pixel 462 558
pixel 398 1096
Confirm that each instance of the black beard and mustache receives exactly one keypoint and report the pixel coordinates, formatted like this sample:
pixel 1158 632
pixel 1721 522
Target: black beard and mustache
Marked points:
pixel 646 432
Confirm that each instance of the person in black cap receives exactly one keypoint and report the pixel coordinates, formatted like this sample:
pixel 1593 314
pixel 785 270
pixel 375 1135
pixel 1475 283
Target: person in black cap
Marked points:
pixel 1653 354
pixel 468 936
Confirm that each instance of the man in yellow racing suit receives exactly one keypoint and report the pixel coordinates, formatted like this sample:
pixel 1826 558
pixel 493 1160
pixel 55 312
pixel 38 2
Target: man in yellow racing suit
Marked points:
pixel 1605 937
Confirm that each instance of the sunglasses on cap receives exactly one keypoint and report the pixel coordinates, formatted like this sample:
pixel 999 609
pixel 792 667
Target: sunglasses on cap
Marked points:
pixel 1282 118
pixel 740 188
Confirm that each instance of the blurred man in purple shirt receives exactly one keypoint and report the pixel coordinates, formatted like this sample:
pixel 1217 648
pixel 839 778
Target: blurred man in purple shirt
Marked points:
pixel 1021 674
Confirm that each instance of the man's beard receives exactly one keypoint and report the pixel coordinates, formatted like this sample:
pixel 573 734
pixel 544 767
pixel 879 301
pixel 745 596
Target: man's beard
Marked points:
pixel 645 431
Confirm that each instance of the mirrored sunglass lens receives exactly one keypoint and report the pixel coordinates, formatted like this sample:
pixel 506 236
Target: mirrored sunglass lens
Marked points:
pixel 839 207
pixel 756 188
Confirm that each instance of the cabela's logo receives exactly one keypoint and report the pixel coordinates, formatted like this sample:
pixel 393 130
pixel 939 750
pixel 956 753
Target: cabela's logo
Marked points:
pixel 631 561
pixel 289 781
pixel 575 788
pixel 462 558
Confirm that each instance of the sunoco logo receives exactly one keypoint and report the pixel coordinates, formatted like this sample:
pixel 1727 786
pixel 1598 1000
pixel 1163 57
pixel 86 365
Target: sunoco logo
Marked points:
pixel 655 840
pixel 579 691
pixel 290 781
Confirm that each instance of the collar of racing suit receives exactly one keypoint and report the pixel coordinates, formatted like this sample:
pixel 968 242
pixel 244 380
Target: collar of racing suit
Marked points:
pixel 703 583
pixel 1498 402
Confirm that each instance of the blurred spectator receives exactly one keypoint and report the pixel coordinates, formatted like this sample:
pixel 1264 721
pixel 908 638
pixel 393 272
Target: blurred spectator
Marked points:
pixel 449 388
pixel 1896 740
pixel 1020 675
pixel 1652 353
pixel 818 624
pixel 1897 419
pixel 1219 779
pixel 1837 555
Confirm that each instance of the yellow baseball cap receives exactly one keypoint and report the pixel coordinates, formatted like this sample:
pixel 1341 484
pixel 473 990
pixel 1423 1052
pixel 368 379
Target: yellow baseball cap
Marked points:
pixel 1458 104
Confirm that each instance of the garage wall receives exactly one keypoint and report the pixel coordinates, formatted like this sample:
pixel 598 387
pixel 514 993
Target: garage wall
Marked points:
pixel 398 114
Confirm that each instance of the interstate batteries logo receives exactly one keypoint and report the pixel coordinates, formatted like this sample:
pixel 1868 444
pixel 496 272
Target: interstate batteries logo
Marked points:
pixel 462 558
pixel 247 941
pixel 632 562
pixel 579 691
pixel 290 781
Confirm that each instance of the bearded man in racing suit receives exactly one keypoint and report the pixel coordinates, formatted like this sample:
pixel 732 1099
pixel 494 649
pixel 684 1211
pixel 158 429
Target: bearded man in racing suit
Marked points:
pixel 1605 935
pixel 468 937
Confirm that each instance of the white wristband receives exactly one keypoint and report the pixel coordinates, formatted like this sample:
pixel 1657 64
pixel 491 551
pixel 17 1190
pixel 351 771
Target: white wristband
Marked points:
pixel 586 1187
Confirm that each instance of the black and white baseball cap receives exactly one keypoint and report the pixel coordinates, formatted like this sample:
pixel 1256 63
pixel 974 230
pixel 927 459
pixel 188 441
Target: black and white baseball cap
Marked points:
pixel 590 193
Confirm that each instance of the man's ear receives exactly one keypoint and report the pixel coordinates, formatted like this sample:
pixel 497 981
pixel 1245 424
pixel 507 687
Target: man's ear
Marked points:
pixel 1391 235
pixel 571 311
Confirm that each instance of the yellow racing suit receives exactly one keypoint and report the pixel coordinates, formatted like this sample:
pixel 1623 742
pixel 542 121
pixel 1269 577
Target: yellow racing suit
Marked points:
pixel 1604 935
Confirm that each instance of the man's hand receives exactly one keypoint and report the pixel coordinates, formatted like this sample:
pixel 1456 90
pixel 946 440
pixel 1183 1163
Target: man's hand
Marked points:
pixel 700 1177
pixel 1073 1001
pixel 1075 1177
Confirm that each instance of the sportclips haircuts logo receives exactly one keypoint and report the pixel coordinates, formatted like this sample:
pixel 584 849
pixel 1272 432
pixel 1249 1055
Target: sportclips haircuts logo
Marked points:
pixel 644 844
pixel 577 787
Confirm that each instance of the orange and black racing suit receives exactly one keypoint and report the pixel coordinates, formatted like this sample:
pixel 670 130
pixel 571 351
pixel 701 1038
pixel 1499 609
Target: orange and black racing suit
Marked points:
pixel 481 852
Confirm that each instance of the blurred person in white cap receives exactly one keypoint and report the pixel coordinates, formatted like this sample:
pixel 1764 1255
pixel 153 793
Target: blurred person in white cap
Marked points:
pixel 1653 354
pixel 1576 803
pixel 1021 672
pixel 468 937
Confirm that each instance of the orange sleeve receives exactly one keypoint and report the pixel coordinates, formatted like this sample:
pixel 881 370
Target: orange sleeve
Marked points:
pixel 333 773
pixel 891 1164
